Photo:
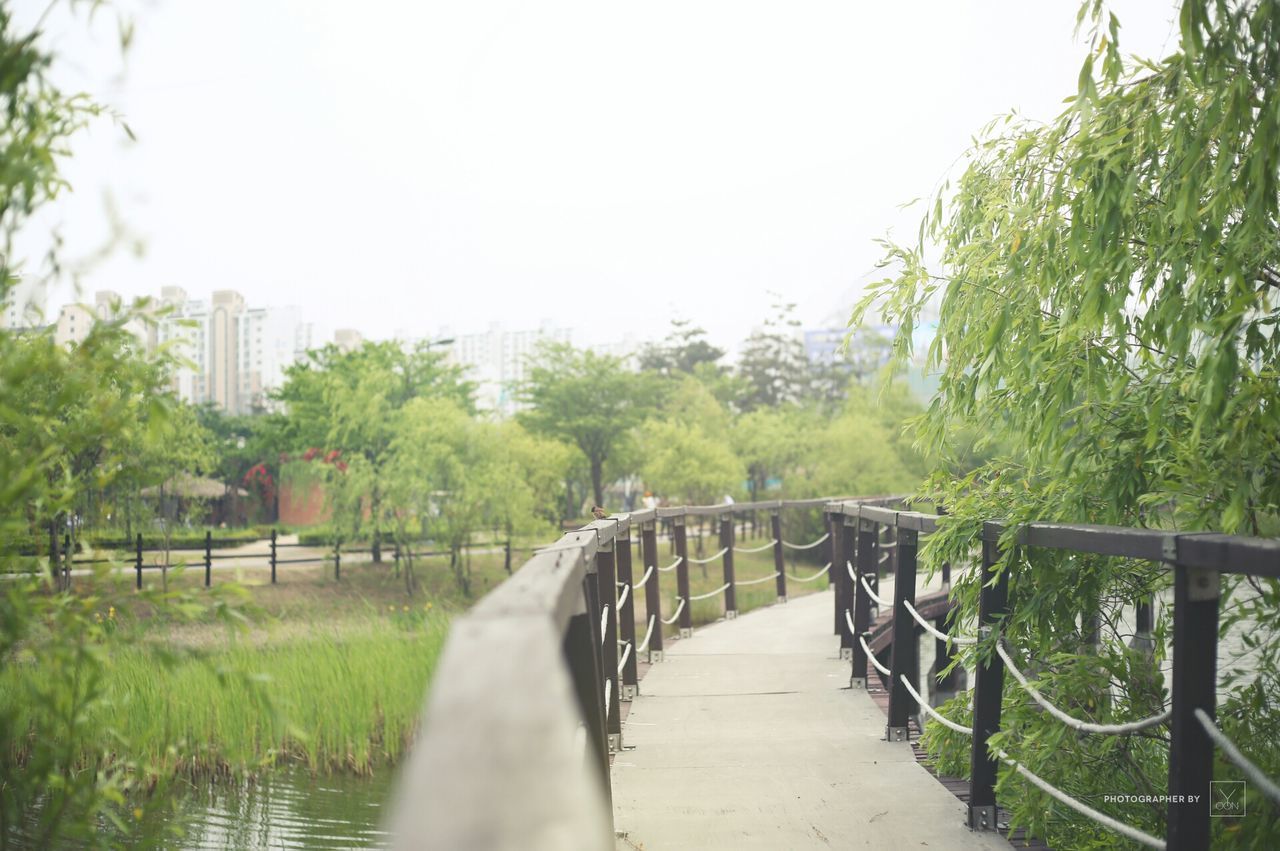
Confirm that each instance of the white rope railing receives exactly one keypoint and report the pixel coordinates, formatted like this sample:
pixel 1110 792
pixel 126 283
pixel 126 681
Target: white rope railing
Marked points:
pixel 626 654
pixel 1075 723
pixel 671 566
pixel 719 590
pixel 773 575
pixel 849 566
pixel 608 697
pixel 946 722
pixel 755 549
pixel 604 622
pixel 1228 747
pixel 875 598
pixel 679 609
pixel 883 558
pixel 711 557
pixel 1084 809
pixel 806 546
pixel 871 657
pixel 648 633
pixel 849 623
pixel 622 599
pixel 941 636
pixel 644 580
pixel 825 568
pixel 886 545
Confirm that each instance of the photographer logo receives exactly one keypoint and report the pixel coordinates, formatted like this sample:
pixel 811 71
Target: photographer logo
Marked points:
pixel 1226 798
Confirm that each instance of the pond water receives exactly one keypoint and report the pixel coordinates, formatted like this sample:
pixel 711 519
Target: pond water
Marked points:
pixel 288 809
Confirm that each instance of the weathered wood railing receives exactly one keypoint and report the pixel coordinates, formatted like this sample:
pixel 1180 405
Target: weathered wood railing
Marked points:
pixel 525 703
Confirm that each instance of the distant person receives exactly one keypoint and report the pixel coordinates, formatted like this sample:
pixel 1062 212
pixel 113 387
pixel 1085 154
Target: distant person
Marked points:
pixel 728 500
pixel 649 500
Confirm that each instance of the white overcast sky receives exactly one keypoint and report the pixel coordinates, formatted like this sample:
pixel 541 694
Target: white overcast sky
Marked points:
pixel 406 166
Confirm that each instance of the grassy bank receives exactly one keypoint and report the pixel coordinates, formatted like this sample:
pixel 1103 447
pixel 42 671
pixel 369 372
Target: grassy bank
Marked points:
pixel 344 697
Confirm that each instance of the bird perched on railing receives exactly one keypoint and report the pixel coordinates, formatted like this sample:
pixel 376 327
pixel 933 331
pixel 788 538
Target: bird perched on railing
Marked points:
pixel 598 513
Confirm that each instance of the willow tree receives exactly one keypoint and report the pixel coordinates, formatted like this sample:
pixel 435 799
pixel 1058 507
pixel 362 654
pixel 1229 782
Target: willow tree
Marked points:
pixel 1108 287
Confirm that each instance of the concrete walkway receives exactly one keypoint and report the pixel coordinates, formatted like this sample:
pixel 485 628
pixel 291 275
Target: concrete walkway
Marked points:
pixel 748 736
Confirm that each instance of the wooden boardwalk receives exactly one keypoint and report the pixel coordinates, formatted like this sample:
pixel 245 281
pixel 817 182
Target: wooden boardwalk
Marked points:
pixel 748 736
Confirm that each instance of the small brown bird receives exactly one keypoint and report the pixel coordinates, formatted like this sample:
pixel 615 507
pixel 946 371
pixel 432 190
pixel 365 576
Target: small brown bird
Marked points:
pixel 598 512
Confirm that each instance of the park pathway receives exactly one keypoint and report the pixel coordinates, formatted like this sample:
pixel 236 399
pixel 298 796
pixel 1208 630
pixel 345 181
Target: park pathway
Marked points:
pixel 748 736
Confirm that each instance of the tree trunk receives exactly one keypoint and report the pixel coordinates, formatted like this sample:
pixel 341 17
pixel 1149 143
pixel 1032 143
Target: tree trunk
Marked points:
pixel 597 480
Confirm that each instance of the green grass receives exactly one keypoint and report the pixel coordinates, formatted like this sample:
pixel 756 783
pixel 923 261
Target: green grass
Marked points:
pixel 347 696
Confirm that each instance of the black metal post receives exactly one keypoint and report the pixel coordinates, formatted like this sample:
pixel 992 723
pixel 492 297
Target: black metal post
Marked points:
pixel 682 576
pixel 988 687
pixel 208 558
pixel 1142 633
pixel 866 564
pixel 830 549
pixel 506 556
pixel 627 614
pixel 582 653
pixel 608 591
pixel 652 593
pixel 844 543
pixel 1195 661
pixel 67 557
pixel 137 564
pixel 779 562
pixel 273 556
pixel 54 567
pixel 726 541
pixel 906 650
pixel 337 560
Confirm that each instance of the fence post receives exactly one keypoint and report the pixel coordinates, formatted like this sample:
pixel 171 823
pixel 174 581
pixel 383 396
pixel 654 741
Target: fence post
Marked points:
pixel 906 650
pixel 208 558
pixel 67 557
pixel 506 556
pixel 988 686
pixel 273 556
pixel 607 589
pixel 831 551
pixel 779 559
pixel 337 560
pixel 1142 638
pixel 679 531
pixel 627 613
pixel 866 564
pixel 844 540
pixel 1195 661
pixel 652 593
pixel 726 541
pixel 137 564
pixel 582 653
pixel 55 569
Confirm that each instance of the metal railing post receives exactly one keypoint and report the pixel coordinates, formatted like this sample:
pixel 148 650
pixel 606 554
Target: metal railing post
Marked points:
pixel 1196 594
pixel 726 541
pixel 652 593
pixel 834 524
pixel 830 548
pixel 988 686
pixel 844 545
pixel 273 556
pixel 607 588
pixel 1143 627
pixel 626 614
pixel 905 660
pixel 337 560
pixel 137 564
pixel 779 558
pixel 208 558
pixel 866 565
pixel 582 653
pixel 682 575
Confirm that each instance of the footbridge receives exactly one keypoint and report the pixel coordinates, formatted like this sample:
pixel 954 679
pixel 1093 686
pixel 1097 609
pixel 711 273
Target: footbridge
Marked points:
pixel 576 707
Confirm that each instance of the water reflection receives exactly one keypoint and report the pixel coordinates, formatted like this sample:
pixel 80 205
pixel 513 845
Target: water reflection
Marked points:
pixel 289 809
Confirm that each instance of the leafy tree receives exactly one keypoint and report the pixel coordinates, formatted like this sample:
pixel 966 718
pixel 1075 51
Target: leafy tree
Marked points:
pixel 1108 285
pixel 684 349
pixel 770 442
pixel 587 400
pixel 687 465
pixel 349 401
pixel 772 365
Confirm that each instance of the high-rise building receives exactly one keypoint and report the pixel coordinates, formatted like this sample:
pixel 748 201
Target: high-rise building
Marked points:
pixel 497 360
pixel 24 305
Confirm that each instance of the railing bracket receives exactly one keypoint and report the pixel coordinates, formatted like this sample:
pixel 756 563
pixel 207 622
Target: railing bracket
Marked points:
pixel 655 656
pixel 846 654
pixel 686 632
pixel 615 743
pixel 1205 584
pixel 982 818
pixel 857 682
pixel 730 615
pixel 629 693
pixel 897 734
pixel 782 599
